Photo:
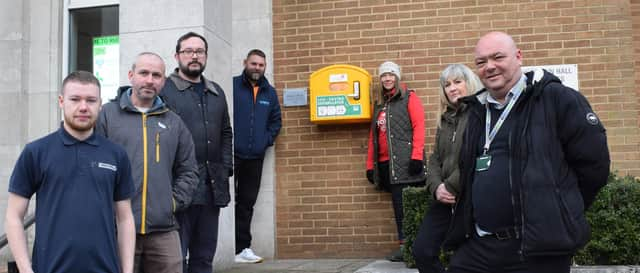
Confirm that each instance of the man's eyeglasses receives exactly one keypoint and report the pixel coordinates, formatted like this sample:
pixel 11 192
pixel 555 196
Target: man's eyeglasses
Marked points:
pixel 189 52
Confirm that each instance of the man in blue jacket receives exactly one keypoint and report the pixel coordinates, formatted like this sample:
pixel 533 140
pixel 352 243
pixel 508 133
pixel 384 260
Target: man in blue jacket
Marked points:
pixel 534 156
pixel 257 122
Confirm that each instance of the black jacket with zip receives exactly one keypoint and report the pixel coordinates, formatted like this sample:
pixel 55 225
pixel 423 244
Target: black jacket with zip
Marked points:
pixel 207 117
pixel 559 158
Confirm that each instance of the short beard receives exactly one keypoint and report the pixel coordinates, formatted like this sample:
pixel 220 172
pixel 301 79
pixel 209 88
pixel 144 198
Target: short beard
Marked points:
pixel 79 128
pixel 254 76
pixel 192 73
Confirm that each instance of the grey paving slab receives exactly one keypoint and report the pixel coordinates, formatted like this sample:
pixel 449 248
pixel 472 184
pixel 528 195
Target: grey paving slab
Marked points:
pixel 383 266
pixel 301 266
pixel 372 266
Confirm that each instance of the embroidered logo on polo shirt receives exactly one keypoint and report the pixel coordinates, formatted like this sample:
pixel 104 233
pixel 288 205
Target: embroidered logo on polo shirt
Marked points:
pixel 264 102
pixel 107 166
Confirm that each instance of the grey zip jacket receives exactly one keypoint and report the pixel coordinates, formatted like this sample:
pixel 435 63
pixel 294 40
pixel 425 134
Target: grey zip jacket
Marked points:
pixel 162 157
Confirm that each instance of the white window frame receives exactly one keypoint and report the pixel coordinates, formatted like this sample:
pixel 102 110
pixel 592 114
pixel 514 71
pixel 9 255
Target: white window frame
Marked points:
pixel 66 30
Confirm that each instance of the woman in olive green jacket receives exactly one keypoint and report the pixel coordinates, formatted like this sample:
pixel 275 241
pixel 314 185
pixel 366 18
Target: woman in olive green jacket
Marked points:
pixel 456 81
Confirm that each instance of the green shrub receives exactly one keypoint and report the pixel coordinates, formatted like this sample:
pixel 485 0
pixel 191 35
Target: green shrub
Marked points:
pixel 615 225
pixel 415 202
pixel 614 218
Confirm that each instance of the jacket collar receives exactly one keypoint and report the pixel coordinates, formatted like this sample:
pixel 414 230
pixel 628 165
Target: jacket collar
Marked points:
pixel 125 103
pixel 182 84
pixel 536 79
pixel 452 112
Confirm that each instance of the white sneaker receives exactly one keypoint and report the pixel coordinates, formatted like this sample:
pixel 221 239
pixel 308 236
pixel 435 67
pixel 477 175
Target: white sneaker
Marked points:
pixel 247 256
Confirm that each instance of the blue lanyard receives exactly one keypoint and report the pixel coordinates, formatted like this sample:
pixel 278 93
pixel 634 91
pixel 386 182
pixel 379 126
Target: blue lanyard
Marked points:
pixel 491 134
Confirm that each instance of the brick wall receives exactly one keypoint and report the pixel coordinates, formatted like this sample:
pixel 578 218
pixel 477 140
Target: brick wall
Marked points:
pixel 325 207
pixel 635 13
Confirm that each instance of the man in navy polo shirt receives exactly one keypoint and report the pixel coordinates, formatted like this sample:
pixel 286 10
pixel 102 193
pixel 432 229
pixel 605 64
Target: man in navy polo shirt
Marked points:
pixel 83 188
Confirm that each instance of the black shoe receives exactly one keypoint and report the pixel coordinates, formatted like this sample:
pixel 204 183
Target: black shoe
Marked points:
pixel 396 256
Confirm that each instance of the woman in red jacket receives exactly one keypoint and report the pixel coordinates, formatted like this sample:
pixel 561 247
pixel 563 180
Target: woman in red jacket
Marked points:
pixel 395 158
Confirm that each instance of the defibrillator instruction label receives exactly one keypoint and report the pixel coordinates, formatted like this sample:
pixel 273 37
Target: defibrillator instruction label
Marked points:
pixel 332 106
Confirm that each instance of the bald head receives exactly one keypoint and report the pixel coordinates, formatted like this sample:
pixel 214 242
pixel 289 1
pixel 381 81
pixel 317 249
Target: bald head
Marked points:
pixel 498 62
pixel 496 37
pixel 147 79
pixel 144 56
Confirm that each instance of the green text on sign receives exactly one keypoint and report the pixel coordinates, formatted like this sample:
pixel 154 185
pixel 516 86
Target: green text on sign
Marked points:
pixel 106 40
pixel 336 106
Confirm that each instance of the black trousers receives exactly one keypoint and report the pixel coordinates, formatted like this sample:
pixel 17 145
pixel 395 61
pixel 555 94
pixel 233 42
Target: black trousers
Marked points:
pixel 432 232
pixel 396 195
pixel 247 173
pixel 490 255
pixel 198 237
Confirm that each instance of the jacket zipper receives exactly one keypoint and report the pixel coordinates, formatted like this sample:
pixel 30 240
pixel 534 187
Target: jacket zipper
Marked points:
pixel 513 201
pixel 392 171
pixel 145 174
pixel 157 147
pixel 522 211
pixel 143 213
pixel 455 129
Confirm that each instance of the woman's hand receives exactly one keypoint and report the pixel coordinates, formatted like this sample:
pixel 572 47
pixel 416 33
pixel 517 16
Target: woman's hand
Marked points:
pixel 444 196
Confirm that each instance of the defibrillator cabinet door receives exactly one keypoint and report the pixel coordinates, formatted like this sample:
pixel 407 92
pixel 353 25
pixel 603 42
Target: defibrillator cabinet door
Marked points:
pixel 340 94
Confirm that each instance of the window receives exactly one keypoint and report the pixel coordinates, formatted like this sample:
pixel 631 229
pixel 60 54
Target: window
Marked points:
pixel 94 45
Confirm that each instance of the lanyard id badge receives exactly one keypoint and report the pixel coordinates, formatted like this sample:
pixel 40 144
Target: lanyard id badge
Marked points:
pixel 483 162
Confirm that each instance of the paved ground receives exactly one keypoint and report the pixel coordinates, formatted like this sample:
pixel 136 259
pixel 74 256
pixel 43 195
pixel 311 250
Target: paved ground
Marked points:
pixel 321 266
pixel 372 266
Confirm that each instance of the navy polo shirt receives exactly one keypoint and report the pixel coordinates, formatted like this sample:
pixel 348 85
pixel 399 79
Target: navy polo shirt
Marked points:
pixel 76 184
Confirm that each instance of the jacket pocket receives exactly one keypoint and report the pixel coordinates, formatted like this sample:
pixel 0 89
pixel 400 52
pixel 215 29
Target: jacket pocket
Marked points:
pixel 554 224
pixel 219 184
pixel 157 147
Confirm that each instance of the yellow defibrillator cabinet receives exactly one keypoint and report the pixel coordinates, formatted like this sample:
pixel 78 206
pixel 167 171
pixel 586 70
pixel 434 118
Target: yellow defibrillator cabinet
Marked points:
pixel 340 94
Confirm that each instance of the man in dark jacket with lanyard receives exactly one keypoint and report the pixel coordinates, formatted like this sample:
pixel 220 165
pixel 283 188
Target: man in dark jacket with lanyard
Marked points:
pixel 257 120
pixel 203 107
pixel 533 159
pixel 161 152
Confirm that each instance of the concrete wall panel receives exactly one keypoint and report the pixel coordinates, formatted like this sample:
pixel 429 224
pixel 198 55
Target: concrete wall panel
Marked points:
pixel 146 16
pixel 11 63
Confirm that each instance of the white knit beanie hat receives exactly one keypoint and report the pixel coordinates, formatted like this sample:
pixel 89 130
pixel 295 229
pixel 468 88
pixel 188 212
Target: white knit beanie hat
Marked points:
pixel 389 67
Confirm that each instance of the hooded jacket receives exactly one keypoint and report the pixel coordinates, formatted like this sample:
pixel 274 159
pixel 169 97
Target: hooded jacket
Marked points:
pixel 162 158
pixel 256 121
pixel 558 158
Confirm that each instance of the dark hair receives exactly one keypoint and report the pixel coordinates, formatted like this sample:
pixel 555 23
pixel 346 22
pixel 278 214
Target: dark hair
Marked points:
pixel 190 35
pixel 80 77
pixel 257 52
